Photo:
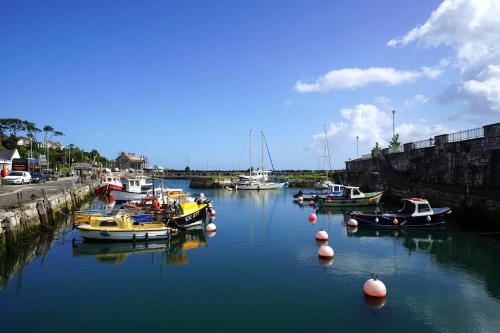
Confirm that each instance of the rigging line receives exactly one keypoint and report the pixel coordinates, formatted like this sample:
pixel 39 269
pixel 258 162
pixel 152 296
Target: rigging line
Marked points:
pixel 268 153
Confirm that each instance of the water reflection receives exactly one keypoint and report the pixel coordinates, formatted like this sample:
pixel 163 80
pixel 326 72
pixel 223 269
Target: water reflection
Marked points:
pixel 175 249
pixel 474 253
pixel 13 257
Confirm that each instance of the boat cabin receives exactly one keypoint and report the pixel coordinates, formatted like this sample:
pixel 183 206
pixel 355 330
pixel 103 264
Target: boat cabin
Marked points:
pixel 110 179
pixel 132 185
pixel 257 175
pixel 416 207
pixel 352 192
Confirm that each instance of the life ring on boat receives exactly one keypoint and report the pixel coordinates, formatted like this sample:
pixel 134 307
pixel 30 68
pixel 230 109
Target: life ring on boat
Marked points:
pixel 157 204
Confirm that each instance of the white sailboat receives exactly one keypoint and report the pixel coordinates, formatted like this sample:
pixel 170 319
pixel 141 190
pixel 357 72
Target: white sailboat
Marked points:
pixel 258 179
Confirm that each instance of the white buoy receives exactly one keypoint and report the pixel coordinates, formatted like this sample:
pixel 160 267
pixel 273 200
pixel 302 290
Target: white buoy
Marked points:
pixel 325 252
pixel 352 223
pixel 374 287
pixel 300 199
pixel 352 230
pixel 322 235
pixel 211 233
pixel 211 227
pixel 213 212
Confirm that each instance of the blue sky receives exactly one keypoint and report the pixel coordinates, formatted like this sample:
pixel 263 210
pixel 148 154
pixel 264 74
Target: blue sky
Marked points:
pixel 184 81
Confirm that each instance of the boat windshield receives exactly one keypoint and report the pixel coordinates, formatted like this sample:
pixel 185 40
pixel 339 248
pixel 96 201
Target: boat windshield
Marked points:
pixel 408 208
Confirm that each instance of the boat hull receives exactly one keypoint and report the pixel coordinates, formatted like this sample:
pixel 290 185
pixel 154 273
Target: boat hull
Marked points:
pixel 261 186
pixel 189 220
pixel 438 218
pixel 127 196
pixel 104 188
pixel 370 199
pixel 125 235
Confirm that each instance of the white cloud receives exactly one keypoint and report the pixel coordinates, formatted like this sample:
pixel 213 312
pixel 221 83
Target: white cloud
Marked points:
pixel 416 100
pixel 485 87
pixel 352 78
pixel 383 100
pixel 420 130
pixel 370 125
pixel 472 29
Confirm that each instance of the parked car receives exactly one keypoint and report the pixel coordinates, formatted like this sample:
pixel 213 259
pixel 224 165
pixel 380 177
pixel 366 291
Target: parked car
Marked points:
pixel 17 177
pixel 39 177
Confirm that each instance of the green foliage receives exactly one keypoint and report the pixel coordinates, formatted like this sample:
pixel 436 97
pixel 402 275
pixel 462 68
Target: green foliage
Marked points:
pixel 377 147
pixel 395 141
pixel 187 169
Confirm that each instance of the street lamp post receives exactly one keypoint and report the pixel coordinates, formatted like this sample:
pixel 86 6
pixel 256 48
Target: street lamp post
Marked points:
pixel 357 146
pixel 393 113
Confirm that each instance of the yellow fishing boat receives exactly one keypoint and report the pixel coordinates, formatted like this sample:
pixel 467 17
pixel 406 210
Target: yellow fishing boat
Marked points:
pixel 122 227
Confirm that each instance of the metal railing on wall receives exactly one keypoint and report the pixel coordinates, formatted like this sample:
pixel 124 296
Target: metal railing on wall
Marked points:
pixel 466 135
pixel 423 143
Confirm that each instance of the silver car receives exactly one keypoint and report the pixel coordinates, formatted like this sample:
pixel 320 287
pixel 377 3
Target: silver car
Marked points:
pixel 17 177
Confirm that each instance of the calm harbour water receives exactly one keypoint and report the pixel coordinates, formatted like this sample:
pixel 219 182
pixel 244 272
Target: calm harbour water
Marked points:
pixel 259 272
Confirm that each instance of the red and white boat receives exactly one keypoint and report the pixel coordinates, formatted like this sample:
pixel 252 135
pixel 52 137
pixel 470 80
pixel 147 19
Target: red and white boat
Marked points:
pixel 109 182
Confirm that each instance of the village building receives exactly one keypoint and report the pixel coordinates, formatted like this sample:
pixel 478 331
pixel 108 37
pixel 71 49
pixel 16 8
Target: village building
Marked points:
pixel 6 157
pixel 130 161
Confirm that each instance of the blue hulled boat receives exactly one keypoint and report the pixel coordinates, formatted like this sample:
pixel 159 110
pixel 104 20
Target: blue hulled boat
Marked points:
pixel 416 212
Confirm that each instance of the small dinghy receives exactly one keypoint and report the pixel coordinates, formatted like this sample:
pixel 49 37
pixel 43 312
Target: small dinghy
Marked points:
pixel 416 212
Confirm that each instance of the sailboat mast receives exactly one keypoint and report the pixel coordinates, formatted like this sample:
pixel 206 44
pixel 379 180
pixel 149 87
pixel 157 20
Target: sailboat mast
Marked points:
pixel 262 150
pixel 328 152
pixel 250 155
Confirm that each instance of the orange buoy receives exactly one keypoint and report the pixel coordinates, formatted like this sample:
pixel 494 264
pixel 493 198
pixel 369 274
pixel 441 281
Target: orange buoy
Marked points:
pixel 325 252
pixel 395 221
pixel 374 287
pixel 322 235
pixel 312 217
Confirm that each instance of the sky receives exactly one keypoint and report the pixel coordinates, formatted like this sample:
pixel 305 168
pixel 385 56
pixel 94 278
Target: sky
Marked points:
pixel 183 82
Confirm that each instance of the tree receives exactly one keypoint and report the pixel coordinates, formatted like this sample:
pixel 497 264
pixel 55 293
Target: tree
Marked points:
pixel 377 147
pixel 13 125
pixel 395 141
pixel 187 169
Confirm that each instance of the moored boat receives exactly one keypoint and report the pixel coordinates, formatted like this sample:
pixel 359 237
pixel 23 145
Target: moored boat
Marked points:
pixel 187 214
pixel 108 182
pixel 121 227
pixel 416 212
pixel 334 191
pixel 352 197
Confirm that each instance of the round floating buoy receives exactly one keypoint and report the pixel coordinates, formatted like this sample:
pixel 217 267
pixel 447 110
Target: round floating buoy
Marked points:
pixel 352 230
pixel 352 223
pixel 110 198
pixel 376 220
pixel 374 287
pixel 212 212
pixel 429 218
pixel 300 199
pixel 211 233
pixel 211 227
pixel 325 252
pixel 395 221
pixel 322 235
pixel 312 217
